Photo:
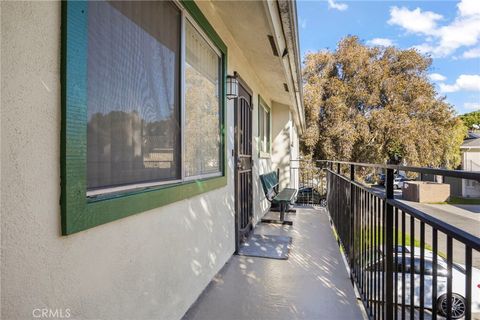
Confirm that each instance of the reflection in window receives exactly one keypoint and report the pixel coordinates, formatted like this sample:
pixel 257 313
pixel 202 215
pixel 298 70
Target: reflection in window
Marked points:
pixel 133 93
pixel 202 104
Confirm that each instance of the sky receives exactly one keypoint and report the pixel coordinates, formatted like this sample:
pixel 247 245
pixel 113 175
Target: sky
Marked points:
pixel 447 30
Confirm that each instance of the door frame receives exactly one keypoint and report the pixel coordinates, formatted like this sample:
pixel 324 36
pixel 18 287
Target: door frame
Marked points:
pixel 245 86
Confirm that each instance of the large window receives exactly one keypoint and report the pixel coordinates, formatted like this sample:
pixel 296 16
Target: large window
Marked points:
pixel 134 119
pixel 133 93
pixel 263 127
pixel 142 108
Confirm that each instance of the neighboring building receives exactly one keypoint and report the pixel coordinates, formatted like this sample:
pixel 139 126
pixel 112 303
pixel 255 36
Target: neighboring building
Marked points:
pixel 128 177
pixel 471 162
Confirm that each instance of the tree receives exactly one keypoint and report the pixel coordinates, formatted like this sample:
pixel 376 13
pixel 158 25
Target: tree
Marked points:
pixel 471 120
pixel 374 104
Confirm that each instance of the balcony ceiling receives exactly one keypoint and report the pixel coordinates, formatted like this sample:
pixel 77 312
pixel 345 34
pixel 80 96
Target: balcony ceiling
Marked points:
pixel 250 26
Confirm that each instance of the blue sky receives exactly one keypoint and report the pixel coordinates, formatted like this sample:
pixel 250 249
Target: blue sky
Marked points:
pixel 447 30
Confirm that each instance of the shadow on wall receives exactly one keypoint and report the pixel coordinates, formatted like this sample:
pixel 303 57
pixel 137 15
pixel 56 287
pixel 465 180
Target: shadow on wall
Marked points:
pixel 201 222
pixel 283 156
pixel 210 221
pixel 264 166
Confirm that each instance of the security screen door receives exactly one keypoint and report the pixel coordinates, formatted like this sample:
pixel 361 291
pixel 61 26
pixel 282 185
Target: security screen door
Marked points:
pixel 243 164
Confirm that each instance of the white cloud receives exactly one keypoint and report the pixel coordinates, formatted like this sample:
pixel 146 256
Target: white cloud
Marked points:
pixel 474 106
pixel 437 77
pixel 337 6
pixel 424 48
pixel 465 82
pixel 383 42
pixel 462 32
pixel 469 7
pixel 472 53
pixel 441 41
pixel 416 21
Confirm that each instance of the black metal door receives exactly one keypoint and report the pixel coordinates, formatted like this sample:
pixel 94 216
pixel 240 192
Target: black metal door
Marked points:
pixel 243 164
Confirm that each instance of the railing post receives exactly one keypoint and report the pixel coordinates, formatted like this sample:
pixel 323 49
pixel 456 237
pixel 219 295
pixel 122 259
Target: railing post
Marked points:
pixel 352 221
pixel 388 232
pixel 338 167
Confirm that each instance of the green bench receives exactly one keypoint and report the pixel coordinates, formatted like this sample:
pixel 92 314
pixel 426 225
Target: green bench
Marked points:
pixel 282 199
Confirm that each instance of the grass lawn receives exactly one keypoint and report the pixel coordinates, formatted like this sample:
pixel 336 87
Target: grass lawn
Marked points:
pixel 408 241
pixel 459 200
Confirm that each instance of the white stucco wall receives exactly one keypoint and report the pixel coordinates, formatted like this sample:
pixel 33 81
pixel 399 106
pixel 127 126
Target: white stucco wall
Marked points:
pixel 281 139
pixel 152 265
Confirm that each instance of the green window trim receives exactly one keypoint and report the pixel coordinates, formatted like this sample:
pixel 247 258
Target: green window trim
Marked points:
pixel 77 211
pixel 261 153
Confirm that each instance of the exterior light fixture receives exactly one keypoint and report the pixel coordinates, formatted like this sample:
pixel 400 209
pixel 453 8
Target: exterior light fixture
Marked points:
pixel 232 86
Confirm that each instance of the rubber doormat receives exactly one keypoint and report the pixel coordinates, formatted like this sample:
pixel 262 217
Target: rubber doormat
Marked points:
pixel 266 246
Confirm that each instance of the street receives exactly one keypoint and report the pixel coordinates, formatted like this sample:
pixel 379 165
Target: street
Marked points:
pixel 464 217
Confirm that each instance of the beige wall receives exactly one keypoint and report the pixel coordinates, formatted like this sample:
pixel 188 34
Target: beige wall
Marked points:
pixel 152 265
pixel 281 131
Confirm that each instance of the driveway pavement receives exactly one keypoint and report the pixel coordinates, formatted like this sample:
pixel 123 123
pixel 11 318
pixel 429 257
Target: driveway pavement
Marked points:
pixel 464 217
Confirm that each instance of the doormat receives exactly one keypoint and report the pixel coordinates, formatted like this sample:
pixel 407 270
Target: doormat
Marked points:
pixel 266 246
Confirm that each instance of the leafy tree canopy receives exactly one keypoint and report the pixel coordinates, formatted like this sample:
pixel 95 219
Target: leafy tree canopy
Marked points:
pixel 471 120
pixel 373 104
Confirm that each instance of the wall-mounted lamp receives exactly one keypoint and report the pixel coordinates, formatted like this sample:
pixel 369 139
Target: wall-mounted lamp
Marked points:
pixel 232 87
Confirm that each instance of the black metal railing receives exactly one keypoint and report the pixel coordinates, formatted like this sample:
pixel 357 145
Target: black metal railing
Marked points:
pixel 309 178
pixel 405 263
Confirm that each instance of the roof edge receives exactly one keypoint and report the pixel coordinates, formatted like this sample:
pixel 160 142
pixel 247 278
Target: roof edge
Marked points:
pixel 288 40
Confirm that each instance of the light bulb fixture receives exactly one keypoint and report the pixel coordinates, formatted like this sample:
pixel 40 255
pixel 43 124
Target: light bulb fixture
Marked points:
pixel 232 87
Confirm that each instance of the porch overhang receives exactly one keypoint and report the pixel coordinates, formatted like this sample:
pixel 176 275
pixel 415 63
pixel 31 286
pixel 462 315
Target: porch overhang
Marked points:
pixel 267 35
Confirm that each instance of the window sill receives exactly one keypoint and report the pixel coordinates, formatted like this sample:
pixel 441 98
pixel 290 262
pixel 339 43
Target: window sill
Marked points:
pixel 104 210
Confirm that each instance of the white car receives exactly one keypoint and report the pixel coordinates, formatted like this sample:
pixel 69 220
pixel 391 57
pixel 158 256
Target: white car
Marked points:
pixel 398 182
pixel 458 282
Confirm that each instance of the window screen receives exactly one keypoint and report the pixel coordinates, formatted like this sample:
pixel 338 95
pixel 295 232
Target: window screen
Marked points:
pixel 133 93
pixel 202 106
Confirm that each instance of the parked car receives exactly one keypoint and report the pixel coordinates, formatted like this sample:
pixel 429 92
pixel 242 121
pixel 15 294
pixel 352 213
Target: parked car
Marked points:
pixel 309 195
pixel 374 269
pixel 398 182
pixel 381 179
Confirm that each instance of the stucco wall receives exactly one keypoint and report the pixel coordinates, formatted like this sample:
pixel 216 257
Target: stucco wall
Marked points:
pixel 281 139
pixel 150 265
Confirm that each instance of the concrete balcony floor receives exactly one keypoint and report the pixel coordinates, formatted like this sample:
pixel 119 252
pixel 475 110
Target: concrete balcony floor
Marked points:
pixel 312 284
